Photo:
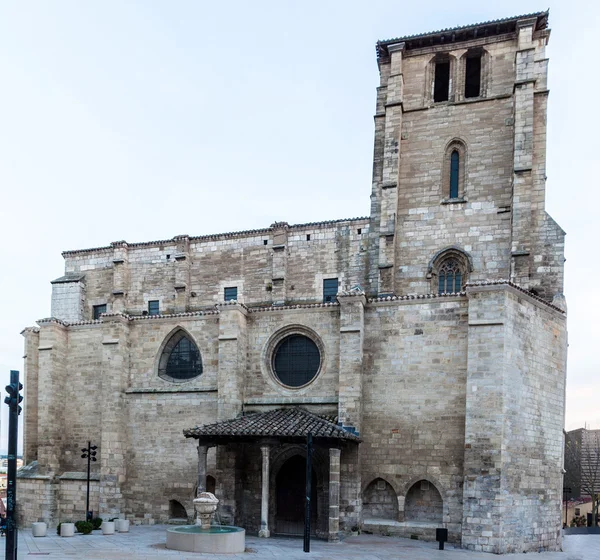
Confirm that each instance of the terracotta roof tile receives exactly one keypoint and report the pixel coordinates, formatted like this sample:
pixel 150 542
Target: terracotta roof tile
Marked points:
pixel 293 422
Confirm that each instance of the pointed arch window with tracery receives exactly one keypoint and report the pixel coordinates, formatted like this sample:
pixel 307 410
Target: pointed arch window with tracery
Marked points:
pixel 448 270
pixel 180 359
pixel 450 277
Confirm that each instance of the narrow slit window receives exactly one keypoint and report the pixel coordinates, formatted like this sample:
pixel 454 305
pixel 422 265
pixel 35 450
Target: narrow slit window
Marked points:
pixel 441 84
pixel 473 76
pixel 454 169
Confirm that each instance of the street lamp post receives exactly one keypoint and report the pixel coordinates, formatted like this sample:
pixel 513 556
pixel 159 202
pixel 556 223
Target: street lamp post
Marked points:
pixel 89 453
pixel 566 492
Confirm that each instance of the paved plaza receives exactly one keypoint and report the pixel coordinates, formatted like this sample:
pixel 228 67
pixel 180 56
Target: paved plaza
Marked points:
pixel 148 542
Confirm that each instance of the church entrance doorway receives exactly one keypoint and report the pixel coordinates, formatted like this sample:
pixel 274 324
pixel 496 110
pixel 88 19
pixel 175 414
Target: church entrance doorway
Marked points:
pixel 290 485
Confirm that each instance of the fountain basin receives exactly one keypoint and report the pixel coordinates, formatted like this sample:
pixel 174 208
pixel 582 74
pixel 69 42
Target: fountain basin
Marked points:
pixel 215 540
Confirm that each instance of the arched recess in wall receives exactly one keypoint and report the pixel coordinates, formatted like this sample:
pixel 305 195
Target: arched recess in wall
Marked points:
pixel 448 270
pixel 176 510
pixel 211 484
pixel 454 170
pixel 380 501
pixel 179 358
pixel 423 503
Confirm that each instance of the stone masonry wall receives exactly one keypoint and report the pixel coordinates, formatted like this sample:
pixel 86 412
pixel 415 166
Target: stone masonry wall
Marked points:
pixel 72 494
pixel 289 267
pixel 516 378
pixel 414 399
pixel 476 224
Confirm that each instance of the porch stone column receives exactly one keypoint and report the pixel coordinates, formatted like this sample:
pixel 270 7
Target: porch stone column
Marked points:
pixel 202 451
pixel 334 494
pixel 264 504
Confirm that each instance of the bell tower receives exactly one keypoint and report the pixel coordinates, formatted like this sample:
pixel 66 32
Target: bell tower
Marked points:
pixel 459 161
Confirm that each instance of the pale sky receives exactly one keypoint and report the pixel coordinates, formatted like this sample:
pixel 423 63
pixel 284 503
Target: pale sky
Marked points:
pixel 141 120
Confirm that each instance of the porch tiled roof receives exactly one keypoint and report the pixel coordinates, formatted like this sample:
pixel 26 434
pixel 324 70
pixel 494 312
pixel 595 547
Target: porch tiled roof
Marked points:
pixel 286 423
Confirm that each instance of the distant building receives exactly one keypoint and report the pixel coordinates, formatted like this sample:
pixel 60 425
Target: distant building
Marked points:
pixel 424 347
pixel 582 462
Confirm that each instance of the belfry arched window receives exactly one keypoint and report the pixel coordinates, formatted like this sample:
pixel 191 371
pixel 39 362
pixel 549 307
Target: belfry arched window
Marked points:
pixel 450 277
pixel 180 359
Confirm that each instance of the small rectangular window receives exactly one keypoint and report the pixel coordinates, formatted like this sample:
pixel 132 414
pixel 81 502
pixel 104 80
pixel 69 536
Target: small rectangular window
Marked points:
pixel 359 231
pixel 441 83
pixel 231 294
pixel 265 241
pixel 154 307
pixel 308 237
pixel 330 290
pixel 98 310
pixel 473 77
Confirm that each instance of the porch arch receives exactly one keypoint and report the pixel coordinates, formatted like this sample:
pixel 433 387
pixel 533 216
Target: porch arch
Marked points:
pixel 320 468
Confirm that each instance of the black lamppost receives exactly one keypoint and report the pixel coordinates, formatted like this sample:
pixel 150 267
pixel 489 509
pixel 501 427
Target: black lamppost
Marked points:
pixel 89 453
pixel 566 492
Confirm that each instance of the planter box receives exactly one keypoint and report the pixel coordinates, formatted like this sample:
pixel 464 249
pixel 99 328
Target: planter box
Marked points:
pixel 108 527
pixel 67 529
pixel 39 529
pixel 122 525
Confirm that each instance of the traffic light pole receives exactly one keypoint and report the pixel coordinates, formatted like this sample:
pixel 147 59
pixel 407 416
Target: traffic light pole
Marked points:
pixel 13 401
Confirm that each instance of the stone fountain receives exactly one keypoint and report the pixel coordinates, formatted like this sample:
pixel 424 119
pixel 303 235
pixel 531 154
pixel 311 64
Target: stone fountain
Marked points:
pixel 206 505
pixel 203 536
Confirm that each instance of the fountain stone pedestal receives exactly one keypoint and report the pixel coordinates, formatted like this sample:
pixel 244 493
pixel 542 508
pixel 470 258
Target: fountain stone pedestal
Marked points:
pixel 206 505
pixel 202 537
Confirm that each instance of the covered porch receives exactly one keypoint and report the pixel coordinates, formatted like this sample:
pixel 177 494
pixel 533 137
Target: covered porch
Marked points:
pixel 261 470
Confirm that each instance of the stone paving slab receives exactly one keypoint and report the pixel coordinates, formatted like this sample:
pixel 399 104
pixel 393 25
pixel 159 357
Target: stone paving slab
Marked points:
pixel 148 542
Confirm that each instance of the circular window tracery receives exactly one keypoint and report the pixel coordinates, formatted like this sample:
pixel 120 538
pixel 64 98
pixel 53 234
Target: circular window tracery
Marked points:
pixel 296 360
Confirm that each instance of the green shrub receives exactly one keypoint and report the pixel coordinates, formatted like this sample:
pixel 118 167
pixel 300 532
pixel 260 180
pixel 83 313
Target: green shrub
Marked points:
pixel 97 523
pixel 84 527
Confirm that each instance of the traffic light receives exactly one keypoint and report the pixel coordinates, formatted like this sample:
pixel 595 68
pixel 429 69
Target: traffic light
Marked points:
pixel 14 398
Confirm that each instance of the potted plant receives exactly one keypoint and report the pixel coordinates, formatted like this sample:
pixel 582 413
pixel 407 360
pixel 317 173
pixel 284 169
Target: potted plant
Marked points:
pixel 122 525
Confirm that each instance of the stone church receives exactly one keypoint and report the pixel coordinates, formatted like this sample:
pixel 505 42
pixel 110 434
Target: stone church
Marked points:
pixel 423 346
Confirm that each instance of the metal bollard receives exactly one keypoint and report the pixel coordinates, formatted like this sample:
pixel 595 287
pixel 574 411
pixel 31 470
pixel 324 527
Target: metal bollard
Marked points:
pixel 441 536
